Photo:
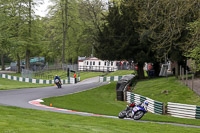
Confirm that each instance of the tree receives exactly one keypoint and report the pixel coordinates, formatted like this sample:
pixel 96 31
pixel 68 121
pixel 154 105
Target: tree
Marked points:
pixel 166 22
pixel 192 49
pixel 4 33
pixel 119 39
pixel 80 31
pixel 18 25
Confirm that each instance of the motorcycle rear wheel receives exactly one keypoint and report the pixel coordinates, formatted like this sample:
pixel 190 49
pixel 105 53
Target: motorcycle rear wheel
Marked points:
pixel 121 115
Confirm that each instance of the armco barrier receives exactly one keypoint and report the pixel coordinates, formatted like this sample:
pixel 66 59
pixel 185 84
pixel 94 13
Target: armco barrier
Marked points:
pixel 107 79
pixel 40 81
pixel 183 110
pixel 153 107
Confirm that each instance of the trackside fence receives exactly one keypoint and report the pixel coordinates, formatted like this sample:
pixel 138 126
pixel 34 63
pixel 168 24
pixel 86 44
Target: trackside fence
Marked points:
pixel 155 107
pixel 173 109
pixel 40 81
pixel 183 110
pixel 112 78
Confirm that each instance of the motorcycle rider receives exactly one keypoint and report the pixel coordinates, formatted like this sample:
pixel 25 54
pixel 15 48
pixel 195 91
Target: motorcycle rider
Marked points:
pixel 58 78
pixel 143 105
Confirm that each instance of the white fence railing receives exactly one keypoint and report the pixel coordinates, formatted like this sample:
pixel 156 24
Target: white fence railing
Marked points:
pixel 112 78
pixel 71 80
pixel 183 110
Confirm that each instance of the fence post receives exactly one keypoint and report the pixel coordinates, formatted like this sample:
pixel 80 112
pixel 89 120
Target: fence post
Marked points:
pixel 164 108
pixel 183 75
pixel 186 77
pixel 192 81
pixel 180 73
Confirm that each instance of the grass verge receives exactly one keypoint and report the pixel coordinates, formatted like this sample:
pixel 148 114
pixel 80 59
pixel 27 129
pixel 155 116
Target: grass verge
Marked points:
pixel 167 90
pixel 120 73
pixel 6 84
pixel 49 75
pixel 18 120
pixel 101 100
pixel 86 75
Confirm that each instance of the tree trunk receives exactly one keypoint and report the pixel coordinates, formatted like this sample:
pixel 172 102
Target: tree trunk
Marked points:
pixel 2 62
pixel 156 67
pixel 29 22
pixel 28 52
pixel 64 17
pixel 18 64
pixel 140 71
pixel 176 69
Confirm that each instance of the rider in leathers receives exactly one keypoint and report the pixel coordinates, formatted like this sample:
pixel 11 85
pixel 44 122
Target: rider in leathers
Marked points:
pixel 144 105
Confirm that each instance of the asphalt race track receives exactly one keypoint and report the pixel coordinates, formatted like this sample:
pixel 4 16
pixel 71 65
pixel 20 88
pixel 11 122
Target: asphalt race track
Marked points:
pixel 21 97
pixel 25 98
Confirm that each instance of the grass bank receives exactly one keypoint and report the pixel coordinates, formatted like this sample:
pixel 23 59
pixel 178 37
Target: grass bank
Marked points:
pixel 18 120
pixel 101 100
pixel 86 75
pixel 49 75
pixel 6 84
pixel 167 90
pixel 120 73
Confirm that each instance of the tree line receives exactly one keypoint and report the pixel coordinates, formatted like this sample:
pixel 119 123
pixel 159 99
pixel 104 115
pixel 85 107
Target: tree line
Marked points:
pixel 151 31
pixel 134 30
pixel 64 34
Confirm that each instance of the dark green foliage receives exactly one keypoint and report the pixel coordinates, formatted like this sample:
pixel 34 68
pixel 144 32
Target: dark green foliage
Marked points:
pixel 120 38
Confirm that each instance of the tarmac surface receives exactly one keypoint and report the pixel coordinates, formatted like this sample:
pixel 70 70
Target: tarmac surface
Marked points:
pixel 21 97
pixel 28 98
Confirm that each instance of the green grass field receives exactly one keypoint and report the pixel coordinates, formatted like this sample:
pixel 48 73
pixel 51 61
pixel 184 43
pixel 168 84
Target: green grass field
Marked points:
pixel 48 75
pixel 120 73
pixel 101 100
pixel 6 84
pixel 18 120
pixel 176 92
pixel 84 75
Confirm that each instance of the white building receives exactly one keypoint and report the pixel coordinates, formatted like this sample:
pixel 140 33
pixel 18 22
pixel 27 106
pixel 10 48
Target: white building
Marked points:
pixel 95 64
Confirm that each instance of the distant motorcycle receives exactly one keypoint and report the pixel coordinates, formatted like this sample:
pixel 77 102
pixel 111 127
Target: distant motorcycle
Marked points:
pixel 139 112
pixel 58 83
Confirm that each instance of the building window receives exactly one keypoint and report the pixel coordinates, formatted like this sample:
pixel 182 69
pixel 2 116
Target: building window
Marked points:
pixel 93 63
pixel 87 62
pixel 105 63
pixel 99 63
pixel 111 63
pixel 90 63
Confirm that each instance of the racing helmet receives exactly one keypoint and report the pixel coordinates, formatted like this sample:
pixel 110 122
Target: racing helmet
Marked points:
pixel 146 103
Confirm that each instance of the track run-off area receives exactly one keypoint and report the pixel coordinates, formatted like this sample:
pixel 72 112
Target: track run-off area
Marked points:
pixel 31 98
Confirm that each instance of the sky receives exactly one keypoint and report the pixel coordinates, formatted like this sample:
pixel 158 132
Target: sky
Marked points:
pixel 42 11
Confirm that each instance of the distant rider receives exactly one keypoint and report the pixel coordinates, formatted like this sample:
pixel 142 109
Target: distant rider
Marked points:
pixel 58 78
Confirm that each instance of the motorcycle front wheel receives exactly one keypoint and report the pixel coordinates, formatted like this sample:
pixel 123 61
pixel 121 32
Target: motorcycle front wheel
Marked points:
pixel 138 115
